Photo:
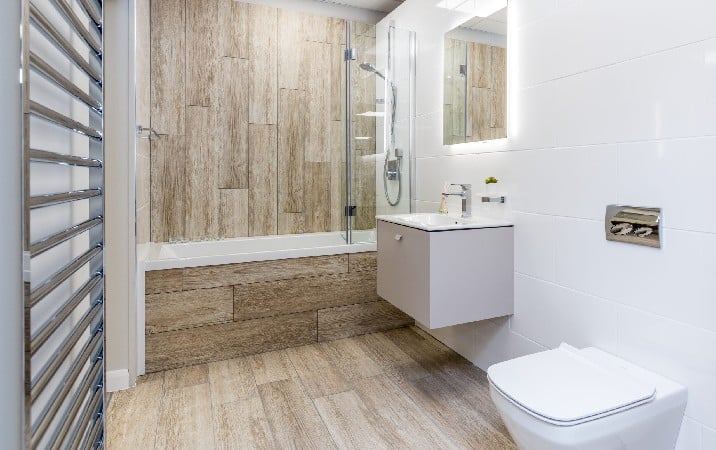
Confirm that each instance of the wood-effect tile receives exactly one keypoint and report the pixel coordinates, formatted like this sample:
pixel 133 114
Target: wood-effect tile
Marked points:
pixel 229 340
pixel 318 375
pixel 294 420
pixel 242 425
pixel 202 35
pixel 303 294
pixel 231 124
pixel 263 69
pixel 168 53
pixel 350 422
pixel 272 366
pixel 233 31
pixel 186 309
pixel 186 376
pixel 363 405
pixel 364 261
pixel 291 146
pixel 202 201
pixel 186 419
pixel 263 194
pixel 231 380
pixel 353 320
pixel 252 272
pixel 168 187
pixel 124 429
pixel 317 192
pixel 158 281
pixel 402 422
pixel 234 216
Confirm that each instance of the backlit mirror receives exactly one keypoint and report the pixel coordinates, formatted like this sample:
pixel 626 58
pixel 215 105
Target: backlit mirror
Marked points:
pixel 475 94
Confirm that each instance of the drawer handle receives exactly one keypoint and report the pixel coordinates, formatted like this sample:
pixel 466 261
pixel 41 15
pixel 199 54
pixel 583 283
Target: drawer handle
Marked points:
pixel 398 237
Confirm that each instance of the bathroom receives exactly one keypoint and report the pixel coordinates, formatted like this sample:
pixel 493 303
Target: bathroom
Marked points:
pixel 268 224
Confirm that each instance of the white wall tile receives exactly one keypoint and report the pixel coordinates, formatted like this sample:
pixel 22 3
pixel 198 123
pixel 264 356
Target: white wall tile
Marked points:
pixel 674 350
pixel 689 435
pixel 428 135
pixel 675 281
pixel 674 175
pixel 551 314
pixel 535 241
pixel 574 182
pixel 495 343
pixel 575 34
pixel 708 439
pixel 666 95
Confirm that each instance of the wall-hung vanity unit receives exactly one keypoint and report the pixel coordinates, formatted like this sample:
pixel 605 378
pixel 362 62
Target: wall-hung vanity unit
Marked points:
pixel 446 271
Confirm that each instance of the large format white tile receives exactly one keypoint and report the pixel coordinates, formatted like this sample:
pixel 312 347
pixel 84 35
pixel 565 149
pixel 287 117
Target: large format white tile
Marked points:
pixel 708 439
pixel 574 182
pixel 535 236
pixel 666 95
pixel 674 350
pixel 496 343
pixel 675 175
pixel 429 135
pixel 576 42
pixel 551 314
pixel 522 12
pixel 689 435
pixel 676 281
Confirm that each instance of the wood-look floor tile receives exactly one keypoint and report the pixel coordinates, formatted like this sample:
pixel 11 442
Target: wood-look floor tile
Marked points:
pixel 425 350
pixel 294 420
pixel 394 361
pixel 318 375
pixel 242 425
pixel 186 376
pixel 231 380
pixel 186 419
pixel 455 414
pixel 404 424
pixel 354 320
pixel 272 366
pixel 349 358
pixel 133 415
pixel 350 422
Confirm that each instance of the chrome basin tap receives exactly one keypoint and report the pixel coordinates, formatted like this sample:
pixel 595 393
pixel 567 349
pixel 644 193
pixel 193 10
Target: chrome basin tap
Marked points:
pixel 466 195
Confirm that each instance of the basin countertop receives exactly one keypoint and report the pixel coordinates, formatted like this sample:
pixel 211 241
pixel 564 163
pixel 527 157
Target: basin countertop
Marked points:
pixel 442 222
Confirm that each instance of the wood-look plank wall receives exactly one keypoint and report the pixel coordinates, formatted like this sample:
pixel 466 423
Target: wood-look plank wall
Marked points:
pixel 250 102
pixel 202 314
pixel 475 105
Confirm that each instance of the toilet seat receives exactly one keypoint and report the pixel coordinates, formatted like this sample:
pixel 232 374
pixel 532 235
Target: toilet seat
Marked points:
pixel 567 386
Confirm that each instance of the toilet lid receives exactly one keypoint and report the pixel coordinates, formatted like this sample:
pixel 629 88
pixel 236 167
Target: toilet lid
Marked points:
pixel 567 386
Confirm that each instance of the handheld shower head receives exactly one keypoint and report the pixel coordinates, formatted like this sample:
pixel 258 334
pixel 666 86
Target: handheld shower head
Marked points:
pixel 368 67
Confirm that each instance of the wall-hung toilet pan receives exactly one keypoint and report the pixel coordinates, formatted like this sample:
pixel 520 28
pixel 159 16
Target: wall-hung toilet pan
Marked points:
pixel 586 399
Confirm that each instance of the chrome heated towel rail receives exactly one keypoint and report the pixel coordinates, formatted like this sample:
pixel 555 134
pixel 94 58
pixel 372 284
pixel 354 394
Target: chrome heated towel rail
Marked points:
pixel 62 74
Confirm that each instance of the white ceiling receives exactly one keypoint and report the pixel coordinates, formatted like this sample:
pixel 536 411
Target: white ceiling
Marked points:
pixel 385 6
pixel 496 23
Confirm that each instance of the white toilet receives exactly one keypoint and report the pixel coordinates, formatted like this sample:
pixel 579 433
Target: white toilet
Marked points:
pixel 585 399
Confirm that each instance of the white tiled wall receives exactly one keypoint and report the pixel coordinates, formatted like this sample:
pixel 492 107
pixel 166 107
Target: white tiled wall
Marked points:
pixel 610 102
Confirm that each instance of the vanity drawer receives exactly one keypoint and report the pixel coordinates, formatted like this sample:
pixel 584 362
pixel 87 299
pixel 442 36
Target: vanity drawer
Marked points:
pixel 403 268
pixel 445 278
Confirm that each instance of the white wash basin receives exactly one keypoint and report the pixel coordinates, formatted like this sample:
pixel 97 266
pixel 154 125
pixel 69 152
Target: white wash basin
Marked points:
pixel 442 222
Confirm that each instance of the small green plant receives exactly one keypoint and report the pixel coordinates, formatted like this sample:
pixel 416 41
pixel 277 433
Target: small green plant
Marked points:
pixel 491 180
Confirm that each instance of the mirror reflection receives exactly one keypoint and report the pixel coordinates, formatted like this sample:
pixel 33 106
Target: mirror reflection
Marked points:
pixel 474 101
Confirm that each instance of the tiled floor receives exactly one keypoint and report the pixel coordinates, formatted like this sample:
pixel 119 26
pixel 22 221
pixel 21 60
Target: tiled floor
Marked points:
pixel 397 389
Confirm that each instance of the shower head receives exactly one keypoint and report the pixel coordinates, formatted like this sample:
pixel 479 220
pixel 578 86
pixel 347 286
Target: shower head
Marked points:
pixel 368 67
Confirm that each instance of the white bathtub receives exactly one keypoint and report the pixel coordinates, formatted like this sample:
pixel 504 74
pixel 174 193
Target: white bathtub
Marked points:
pixel 264 248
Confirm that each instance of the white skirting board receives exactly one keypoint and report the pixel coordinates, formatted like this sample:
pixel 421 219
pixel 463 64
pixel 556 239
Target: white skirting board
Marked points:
pixel 117 380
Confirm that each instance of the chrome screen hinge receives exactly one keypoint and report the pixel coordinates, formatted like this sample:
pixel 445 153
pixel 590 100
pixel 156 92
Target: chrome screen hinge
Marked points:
pixel 350 54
